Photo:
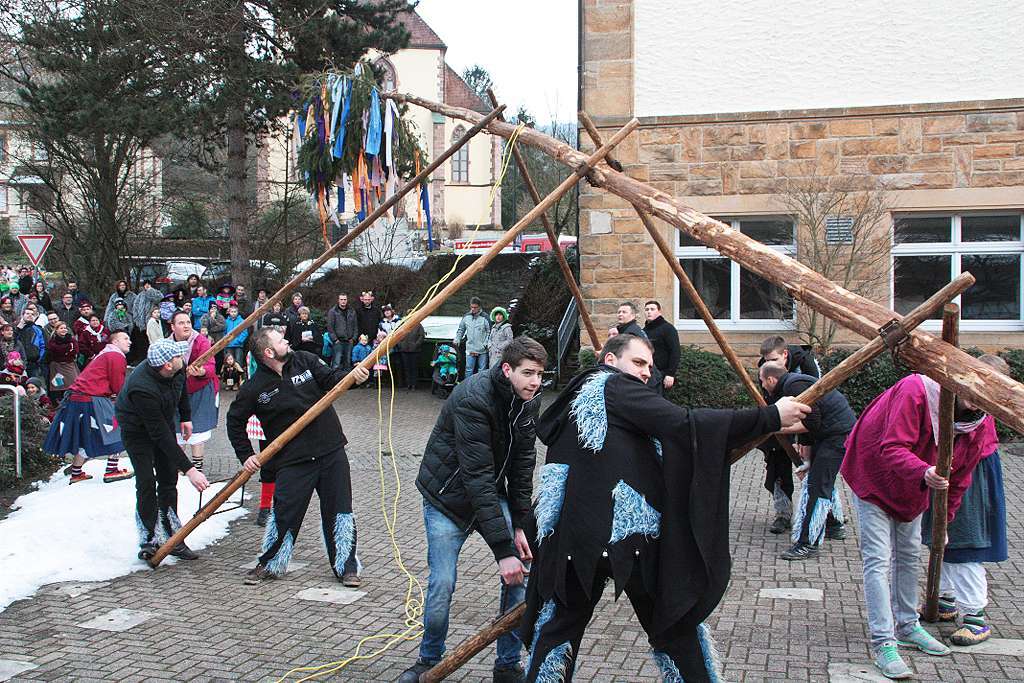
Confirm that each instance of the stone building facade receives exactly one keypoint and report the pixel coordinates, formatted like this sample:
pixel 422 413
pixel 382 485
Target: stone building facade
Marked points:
pixel 952 175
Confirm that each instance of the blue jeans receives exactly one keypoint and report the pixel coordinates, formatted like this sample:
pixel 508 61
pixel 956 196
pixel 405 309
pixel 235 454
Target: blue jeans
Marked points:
pixel 444 542
pixel 475 364
pixel 890 550
pixel 342 357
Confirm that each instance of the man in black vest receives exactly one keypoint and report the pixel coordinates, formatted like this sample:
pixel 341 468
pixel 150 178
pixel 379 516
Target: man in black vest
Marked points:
pixel 665 339
pixel 822 435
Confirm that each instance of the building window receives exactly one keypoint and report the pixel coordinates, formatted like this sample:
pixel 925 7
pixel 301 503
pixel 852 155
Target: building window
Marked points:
pixel 3 200
pixel 737 298
pixel 460 160
pixel 930 250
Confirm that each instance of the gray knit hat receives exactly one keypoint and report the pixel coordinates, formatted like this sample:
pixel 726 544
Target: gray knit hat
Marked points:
pixel 163 351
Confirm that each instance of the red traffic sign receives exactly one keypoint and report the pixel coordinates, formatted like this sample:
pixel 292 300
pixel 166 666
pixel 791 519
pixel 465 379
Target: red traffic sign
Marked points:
pixel 35 246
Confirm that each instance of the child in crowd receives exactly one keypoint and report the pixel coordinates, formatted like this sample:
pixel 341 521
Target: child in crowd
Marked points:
pixel 36 390
pixel 360 351
pixel 14 372
pixel 231 373
pixel 381 366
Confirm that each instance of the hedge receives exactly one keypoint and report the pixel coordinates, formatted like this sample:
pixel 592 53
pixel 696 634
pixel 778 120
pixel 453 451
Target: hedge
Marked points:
pixel 34 427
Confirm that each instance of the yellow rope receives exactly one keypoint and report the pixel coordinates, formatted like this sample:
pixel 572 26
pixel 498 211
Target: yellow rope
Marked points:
pixel 414 603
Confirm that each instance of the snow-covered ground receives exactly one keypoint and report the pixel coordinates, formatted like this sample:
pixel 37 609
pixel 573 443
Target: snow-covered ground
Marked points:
pixel 85 532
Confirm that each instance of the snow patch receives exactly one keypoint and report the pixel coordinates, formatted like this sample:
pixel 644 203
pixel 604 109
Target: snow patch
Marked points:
pixel 85 532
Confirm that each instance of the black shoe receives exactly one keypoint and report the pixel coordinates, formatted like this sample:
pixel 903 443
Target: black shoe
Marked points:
pixel 800 551
pixel 183 552
pixel 262 516
pixel 412 674
pixel 780 525
pixel 836 532
pixel 147 551
pixel 509 674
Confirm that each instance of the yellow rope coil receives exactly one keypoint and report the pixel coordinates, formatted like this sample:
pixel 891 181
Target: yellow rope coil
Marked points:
pixel 414 599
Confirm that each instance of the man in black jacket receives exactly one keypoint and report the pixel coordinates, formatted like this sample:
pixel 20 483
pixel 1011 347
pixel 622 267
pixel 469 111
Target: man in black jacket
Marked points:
pixel 145 412
pixel 285 385
pixel 477 474
pixel 343 329
pixel 368 316
pixel 822 438
pixel 665 339
pixel 778 477
pixel 634 489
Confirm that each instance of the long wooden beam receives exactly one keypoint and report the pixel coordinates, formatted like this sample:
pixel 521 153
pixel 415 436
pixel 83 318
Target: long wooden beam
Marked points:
pixel 940 498
pixel 698 303
pixel 296 281
pixel 869 352
pixel 472 646
pixel 952 368
pixel 409 323
pixel 567 274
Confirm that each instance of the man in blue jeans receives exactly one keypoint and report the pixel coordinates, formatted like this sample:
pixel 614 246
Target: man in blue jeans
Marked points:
pixel 477 475
pixel 475 329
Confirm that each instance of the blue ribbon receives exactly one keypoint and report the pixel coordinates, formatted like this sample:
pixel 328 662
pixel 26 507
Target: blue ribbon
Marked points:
pixel 339 132
pixel 425 198
pixel 374 127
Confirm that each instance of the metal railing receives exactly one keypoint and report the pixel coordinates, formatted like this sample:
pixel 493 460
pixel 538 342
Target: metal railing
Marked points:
pixel 567 330
pixel 17 427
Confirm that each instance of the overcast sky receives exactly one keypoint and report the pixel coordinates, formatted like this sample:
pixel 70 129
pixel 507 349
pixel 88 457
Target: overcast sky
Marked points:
pixel 529 48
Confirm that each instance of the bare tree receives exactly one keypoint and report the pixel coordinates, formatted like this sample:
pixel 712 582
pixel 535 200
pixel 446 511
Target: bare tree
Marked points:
pixel 842 235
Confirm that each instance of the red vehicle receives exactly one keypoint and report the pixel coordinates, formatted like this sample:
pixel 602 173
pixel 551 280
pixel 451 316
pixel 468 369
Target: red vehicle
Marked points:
pixel 529 244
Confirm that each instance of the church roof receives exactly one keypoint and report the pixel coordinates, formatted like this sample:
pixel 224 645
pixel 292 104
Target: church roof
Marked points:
pixel 458 93
pixel 420 34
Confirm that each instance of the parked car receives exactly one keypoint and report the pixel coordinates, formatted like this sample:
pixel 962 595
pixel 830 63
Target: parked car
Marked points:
pixel 166 275
pixel 260 269
pixel 326 269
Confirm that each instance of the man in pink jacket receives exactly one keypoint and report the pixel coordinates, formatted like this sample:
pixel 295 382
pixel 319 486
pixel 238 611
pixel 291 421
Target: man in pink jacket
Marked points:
pixel 890 467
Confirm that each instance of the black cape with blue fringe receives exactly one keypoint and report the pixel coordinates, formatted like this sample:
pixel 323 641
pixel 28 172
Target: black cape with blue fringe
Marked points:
pixel 684 476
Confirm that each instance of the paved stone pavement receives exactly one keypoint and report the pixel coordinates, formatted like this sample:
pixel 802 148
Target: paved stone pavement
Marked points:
pixel 207 626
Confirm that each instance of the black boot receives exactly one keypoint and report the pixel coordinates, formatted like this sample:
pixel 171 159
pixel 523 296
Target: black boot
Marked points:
pixel 147 551
pixel 412 674
pixel 183 552
pixel 780 525
pixel 509 674
pixel 800 551
pixel 835 532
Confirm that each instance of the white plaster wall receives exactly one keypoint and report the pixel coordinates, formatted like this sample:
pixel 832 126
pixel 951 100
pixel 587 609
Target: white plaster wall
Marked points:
pixel 757 55
pixel 469 204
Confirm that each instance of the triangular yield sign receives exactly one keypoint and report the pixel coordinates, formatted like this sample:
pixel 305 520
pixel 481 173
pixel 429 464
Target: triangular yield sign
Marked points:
pixel 35 246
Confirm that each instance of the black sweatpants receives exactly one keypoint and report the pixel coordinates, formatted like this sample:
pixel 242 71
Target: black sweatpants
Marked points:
pixel 156 488
pixel 559 630
pixel 826 458
pixel 329 476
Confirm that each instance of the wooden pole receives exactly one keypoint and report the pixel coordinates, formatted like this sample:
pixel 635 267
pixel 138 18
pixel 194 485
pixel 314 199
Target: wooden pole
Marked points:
pixel 347 239
pixel 567 274
pixel 698 303
pixel 869 351
pixel 940 498
pixel 407 324
pixel 472 646
pixel 994 393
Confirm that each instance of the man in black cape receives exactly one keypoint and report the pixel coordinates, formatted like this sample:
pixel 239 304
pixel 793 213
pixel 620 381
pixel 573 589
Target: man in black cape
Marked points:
pixel 635 489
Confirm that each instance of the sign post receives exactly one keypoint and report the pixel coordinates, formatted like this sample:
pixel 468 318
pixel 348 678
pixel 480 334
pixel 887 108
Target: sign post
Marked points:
pixel 34 247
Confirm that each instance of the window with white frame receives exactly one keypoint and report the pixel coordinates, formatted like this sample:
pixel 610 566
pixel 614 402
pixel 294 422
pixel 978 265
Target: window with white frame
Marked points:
pixel 738 298
pixel 460 160
pixel 931 249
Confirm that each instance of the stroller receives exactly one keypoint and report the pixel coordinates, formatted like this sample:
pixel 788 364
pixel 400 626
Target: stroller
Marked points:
pixel 445 373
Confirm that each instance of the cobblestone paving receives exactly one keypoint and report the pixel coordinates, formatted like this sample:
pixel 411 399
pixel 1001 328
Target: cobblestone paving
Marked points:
pixel 209 627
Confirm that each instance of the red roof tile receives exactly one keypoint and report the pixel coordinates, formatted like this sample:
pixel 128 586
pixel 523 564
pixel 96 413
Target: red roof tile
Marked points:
pixel 420 34
pixel 458 93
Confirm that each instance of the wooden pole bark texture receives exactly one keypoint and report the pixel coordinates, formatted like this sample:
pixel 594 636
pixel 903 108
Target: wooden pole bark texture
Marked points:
pixel 952 368
pixel 473 645
pixel 296 281
pixel 940 499
pixel 698 303
pixel 570 277
pixel 868 352
pixel 409 323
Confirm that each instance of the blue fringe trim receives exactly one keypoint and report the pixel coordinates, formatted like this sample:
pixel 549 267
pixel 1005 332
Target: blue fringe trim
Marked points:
pixel 279 564
pixel 546 613
pixel 657 448
pixel 144 535
pixel 822 506
pixel 712 661
pixel 837 505
pixel 550 496
pixel 589 411
pixel 344 531
pixel 632 514
pixel 173 521
pixel 669 670
pixel 556 664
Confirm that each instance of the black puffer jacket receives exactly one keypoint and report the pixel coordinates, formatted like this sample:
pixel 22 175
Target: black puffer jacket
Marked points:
pixel 483 449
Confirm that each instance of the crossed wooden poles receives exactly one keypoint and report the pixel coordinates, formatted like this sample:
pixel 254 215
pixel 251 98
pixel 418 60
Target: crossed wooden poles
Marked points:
pixel 953 369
